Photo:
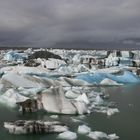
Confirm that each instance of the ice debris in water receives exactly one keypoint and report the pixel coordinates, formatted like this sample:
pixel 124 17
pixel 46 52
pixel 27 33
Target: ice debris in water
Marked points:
pixel 54 116
pixel 112 111
pixel 99 100
pixel 113 136
pixel 83 129
pixel 68 135
pixel 96 135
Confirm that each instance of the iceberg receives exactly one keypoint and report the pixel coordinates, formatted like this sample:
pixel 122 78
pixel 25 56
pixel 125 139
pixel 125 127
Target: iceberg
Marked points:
pixel 14 56
pixel 127 77
pixel 68 135
pixel 83 129
pixel 109 82
pixel 54 116
pixel 96 135
pixel 113 136
pixel 54 101
pixel 11 97
pixel 34 127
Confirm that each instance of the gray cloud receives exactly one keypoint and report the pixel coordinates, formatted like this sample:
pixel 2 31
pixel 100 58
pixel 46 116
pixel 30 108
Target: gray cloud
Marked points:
pixel 42 22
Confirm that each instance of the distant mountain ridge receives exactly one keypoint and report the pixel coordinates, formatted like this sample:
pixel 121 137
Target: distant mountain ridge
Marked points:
pixel 125 44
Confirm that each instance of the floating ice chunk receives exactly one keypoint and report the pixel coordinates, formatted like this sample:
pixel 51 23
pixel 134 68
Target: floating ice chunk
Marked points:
pixel 99 100
pixel 71 95
pixel 54 116
pixel 11 97
pixel 82 98
pixel 54 101
pixel 83 129
pixel 113 136
pixel 29 127
pixel 81 107
pixel 98 135
pixel 127 77
pixel 112 111
pixel 109 82
pixel 68 135
pixel 14 56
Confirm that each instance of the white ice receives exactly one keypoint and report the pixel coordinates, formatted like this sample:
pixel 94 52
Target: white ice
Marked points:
pixel 68 135
pixel 83 129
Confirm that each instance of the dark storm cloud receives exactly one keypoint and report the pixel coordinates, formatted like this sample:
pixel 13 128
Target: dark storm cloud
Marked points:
pixel 41 22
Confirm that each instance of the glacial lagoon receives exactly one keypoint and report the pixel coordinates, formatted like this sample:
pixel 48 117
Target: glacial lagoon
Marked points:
pixel 125 123
pixel 99 89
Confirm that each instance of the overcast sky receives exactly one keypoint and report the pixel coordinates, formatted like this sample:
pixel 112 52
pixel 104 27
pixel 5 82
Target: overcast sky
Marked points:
pixel 40 22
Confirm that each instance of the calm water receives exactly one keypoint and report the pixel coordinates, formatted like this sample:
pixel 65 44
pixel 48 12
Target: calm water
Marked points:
pixel 125 124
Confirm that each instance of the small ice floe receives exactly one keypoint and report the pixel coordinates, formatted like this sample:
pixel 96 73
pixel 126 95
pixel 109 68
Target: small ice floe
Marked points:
pixel 68 135
pixel 54 101
pixel 83 129
pixel 112 111
pixel 113 136
pixel 104 109
pixel 54 116
pixel 76 120
pixel 96 135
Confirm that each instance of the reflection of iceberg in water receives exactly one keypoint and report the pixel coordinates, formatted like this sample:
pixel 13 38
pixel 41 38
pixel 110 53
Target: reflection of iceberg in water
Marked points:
pixel 127 77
